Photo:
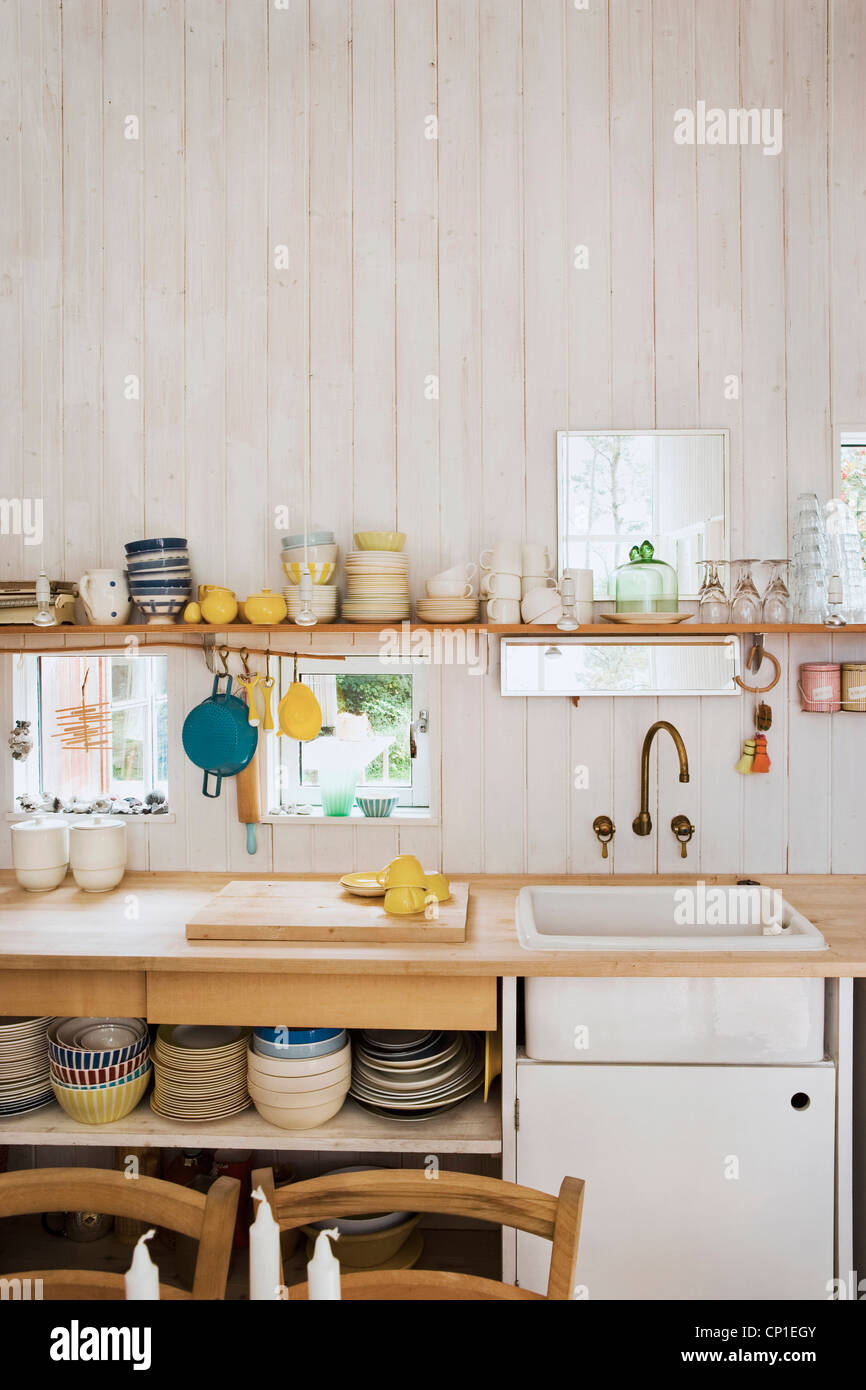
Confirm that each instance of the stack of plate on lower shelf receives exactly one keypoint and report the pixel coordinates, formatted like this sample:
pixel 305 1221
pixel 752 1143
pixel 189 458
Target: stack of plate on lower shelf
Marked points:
pixel 447 610
pixel 377 586
pixel 24 1073
pixel 414 1076
pixel 200 1071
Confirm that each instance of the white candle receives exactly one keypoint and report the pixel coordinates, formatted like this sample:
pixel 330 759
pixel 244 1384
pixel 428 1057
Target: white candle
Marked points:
pixel 142 1277
pixel 323 1271
pixel 264 1252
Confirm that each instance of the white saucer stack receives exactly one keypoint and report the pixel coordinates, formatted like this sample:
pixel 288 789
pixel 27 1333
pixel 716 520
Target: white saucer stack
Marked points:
pixel 377 586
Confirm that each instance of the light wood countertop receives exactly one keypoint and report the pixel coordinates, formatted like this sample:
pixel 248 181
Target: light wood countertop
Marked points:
pixel 140 927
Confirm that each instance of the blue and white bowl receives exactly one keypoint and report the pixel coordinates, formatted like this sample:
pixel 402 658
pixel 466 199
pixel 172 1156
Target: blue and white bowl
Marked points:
pixel 161 610
pixel 158 543
pixel 83 1060
pixel 298 1051
pixel 377 807
pixel 161 565
pixel 146 585
pixel 294 1036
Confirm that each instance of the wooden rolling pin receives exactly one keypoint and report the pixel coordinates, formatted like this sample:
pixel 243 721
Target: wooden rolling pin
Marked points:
pixel 249 806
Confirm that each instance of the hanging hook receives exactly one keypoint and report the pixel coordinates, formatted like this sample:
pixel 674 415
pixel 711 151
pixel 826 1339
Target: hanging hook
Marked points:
pixel 244 656
pixel 224 658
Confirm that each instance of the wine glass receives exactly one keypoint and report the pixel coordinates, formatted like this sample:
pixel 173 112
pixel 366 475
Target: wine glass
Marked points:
pixel 745 600
pixel 776 606
pixel 714 605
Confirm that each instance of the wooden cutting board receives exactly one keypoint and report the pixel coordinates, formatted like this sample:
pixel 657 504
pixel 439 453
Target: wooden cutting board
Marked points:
pixel 319 910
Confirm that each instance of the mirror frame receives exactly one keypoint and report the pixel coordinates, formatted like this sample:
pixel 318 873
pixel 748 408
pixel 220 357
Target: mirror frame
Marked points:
pixel 729 640
pixel 563 435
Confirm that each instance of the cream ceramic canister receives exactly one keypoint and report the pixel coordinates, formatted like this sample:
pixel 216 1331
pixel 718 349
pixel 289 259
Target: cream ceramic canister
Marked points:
pixel 40 852
pixel 106 597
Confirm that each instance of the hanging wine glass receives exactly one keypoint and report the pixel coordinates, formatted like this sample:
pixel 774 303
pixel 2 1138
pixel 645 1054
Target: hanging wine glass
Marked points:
pixel 745 600
pixel 776 606
pixel 714 605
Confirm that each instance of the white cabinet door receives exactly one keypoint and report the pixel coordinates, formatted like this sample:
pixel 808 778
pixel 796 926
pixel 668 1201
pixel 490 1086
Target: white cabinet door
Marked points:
pixel 701 1182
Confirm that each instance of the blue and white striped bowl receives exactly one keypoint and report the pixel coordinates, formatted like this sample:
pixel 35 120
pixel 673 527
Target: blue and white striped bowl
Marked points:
pixel 83 1060
pixel 377 807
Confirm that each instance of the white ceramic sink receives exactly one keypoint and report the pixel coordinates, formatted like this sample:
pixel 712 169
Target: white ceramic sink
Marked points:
pixel 687 917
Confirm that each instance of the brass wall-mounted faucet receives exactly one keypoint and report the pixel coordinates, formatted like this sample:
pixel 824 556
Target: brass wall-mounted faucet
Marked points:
pixel 642 823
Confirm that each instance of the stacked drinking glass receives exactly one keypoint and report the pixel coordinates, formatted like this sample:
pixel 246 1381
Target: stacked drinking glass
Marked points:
pixel 810 561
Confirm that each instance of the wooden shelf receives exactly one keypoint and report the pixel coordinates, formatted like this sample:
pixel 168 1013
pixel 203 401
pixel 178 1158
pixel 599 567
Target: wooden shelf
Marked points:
pixel 470 1128
pixel 599 629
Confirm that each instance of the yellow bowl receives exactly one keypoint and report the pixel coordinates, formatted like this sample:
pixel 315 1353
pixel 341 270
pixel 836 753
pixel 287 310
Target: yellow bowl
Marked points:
pixel 321 570
pixel 380 540
pixel 402 902
pixel 403 872
pixel 368 1249
pixel 438 884
pixel 104 1104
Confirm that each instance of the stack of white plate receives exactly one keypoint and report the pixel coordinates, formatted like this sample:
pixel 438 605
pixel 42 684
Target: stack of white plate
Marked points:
pixel 377 586
pixel 413 1076
pixel 324 604
pixel 447 610
pixel 200 1071
pixel 24 1067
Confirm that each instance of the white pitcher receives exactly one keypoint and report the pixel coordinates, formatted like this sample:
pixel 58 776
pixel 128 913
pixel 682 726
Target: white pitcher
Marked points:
pixel 106 598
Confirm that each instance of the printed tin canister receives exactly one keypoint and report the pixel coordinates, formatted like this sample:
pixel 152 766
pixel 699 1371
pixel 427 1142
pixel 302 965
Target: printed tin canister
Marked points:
pixel 820 687
pixel 854 686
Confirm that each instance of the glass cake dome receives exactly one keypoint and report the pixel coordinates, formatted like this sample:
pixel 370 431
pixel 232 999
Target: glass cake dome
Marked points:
pixel 644 584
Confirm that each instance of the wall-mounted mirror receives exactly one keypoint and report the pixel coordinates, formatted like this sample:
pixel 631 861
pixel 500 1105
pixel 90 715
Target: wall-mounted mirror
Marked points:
pixel 620 666
pixel 616 488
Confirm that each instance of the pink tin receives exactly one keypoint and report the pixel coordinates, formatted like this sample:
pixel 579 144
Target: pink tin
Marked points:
pixel 820 687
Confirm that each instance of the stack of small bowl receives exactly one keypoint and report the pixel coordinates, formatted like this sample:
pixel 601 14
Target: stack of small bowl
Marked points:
pixel 100 1067
pixel 200 1071
pixel 377 578
pixel 159 576
pixel 24 1069
pixel 299 1077
pixel 321 561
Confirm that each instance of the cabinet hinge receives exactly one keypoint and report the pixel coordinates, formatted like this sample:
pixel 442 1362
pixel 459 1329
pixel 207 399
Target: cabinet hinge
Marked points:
pixel 516 1113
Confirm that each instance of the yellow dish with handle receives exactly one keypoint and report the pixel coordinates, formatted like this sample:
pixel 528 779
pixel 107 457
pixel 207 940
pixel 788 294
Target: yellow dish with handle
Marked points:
pixel 265 608
pixel 403 872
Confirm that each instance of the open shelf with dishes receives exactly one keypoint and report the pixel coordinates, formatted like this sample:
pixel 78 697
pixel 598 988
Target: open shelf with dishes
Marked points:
pixel 160 632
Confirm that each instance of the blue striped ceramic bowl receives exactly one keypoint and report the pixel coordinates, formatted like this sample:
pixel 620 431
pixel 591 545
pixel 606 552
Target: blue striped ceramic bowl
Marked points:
pixel 377 807
pixel 83 1060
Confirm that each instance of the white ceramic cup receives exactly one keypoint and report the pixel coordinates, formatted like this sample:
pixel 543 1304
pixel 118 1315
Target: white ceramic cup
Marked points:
pixel 106 598
pixel 535 559
pixel 539 603
pixel 505 558
pixel 97 844
pixel 464 573
pixel 503 610
pixel 582 584
pixel 448 588
pixel 500 585
pixel 536 581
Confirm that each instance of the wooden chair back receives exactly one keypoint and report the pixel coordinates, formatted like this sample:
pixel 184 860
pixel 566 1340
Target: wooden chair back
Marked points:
pixel 208 1218
pixel 556 1219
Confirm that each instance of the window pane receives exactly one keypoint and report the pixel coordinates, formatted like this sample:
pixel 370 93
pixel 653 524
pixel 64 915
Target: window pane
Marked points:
pixel 854 483
pixel 128 678
pixel 128 765
pixel 386 704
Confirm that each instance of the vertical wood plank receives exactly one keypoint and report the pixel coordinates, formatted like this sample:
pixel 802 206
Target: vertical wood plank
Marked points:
pixel 591 784
pixel 811 761
pixel 547 783
pixel 463 807
pixel 848 209
pixel 505 786
pixel 633 854
pixel 16 372
pixel 675 797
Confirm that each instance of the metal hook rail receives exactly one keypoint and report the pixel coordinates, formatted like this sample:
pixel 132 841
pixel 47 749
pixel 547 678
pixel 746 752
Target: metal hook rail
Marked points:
pixel 211 651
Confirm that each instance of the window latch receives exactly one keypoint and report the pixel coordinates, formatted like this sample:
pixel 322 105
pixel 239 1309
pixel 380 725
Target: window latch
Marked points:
pixel 422 723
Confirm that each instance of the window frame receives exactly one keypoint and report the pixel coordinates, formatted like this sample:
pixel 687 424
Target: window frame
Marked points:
pixel 284 785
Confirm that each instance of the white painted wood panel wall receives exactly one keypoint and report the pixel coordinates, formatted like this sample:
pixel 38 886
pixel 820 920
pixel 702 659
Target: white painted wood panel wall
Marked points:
pixel 442 335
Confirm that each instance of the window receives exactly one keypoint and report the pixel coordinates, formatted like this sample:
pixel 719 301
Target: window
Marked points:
pixel 853 489
pixel 131 756
pixel 366 709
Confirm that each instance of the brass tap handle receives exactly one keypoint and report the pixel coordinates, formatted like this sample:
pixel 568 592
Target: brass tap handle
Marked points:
pixel 684 830
pixel 604 832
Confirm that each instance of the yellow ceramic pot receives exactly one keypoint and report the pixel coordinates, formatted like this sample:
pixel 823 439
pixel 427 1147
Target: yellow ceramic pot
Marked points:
pixel 439 885
pixel 192 613
pixel 404 872
pixel 401 902
pixel 265 607
pixel 218 605
pixel 321 570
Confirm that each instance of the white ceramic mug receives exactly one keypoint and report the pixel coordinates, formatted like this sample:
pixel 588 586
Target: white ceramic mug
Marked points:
pixel 500 585
pixel 106 598
pixel 504 558
pixel 538 603
pixel 503 610
pixel 535 559
pixel 536 581
pixel 448 588
pixel 464 573
pixel 582 584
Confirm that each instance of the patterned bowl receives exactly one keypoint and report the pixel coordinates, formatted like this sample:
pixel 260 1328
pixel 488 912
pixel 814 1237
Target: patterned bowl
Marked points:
pixel 377 806
pixel 101 1105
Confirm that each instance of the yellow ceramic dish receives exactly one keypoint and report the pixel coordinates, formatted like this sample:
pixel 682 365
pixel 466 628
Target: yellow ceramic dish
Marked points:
pixel 265 607
pixel 369 1249
pixel 403 872
pixel 321 570
pixel 403 902
pixel 363 885
pixel 218 605
pixel 102 1105
pixel 438 884
pixel 380 540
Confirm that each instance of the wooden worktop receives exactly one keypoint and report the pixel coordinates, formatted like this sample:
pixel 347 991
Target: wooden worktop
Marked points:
pixel 140 927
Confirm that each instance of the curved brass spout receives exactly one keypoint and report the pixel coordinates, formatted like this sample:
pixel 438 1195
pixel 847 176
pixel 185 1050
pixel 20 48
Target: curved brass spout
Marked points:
pixel 642 823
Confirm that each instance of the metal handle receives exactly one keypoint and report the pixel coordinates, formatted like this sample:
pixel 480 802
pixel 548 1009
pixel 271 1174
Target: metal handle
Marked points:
pixel 684 830
pixel 604 832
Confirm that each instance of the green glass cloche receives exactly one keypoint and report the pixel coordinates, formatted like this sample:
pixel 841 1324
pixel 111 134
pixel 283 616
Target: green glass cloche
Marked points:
pixel 645 585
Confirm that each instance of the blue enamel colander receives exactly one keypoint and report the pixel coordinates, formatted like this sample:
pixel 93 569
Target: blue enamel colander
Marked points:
pixel 218 737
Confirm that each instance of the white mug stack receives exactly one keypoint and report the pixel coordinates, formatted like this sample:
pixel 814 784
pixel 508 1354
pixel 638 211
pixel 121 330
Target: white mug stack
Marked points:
pixel 97 853
pixel 40 852
pixel 583 581
pixel 518 583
